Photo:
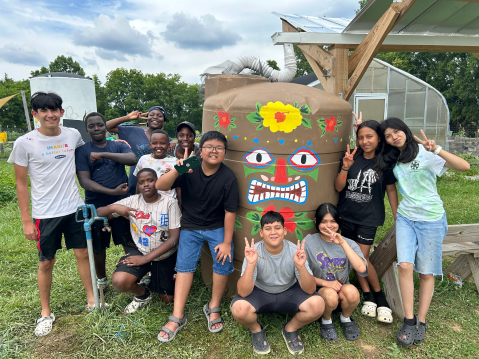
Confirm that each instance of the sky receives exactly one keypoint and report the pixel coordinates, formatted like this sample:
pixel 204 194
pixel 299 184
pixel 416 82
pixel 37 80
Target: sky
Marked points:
pixel 182 36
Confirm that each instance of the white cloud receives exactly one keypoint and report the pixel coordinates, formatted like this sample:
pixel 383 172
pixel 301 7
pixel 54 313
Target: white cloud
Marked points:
pixel 22 55
pixel 205 33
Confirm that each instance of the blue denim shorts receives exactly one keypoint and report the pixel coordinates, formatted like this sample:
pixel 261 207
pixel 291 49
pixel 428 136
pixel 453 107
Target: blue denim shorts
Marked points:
pixel 420 242
pixel 190 246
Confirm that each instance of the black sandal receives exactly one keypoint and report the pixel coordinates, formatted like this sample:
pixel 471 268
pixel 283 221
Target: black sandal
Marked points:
pixel 328 332
pixel 260 342
pixel 421 333
pixel 407 333
pixel 293 341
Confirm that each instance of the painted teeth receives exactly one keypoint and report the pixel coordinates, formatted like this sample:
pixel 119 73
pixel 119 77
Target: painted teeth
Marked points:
pixel 259 191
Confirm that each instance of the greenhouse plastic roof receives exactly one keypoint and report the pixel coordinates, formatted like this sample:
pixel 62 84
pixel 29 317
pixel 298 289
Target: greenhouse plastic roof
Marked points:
pixel 316 24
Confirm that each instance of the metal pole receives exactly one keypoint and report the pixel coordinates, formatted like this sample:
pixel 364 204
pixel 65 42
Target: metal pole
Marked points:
pixel 91 259
pixel 25 107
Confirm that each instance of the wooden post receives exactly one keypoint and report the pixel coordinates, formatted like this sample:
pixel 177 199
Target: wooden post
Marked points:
pixel 474 264
pixel 460 267
pixel 27 115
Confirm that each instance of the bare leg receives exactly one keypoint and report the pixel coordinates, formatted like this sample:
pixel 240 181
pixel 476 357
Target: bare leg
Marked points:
pixel 331 301
pixel 245 314
pixel 219 287
pixel 406 283
pixel 100 259
pixel 167 298
pixel 44 279
pixel 426 290
pixel 310 310
pixel 349 298
pixel 126 282
pixel 182 289
pixel 372 277
pixel 83 265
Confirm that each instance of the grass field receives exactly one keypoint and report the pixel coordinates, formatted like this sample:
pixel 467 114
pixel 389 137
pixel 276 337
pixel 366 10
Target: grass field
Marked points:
pixel 453 330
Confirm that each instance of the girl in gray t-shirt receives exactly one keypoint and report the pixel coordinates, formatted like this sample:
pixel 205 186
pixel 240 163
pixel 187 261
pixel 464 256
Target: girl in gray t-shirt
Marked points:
pixel 331 257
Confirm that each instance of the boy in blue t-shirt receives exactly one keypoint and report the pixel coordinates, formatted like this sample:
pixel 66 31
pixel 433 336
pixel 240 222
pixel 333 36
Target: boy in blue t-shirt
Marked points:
pixel 100 166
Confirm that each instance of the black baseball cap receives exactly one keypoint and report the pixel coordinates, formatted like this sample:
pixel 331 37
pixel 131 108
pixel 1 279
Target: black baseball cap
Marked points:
pixel 185 124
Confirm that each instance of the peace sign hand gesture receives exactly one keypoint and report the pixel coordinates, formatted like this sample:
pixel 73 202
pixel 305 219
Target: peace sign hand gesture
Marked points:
pixel 185 156
pixel 429 145
pixel 357 121
pixel 348 159
pixel 142 115
pixel 250 253
pixel 336 238
pixel 300 255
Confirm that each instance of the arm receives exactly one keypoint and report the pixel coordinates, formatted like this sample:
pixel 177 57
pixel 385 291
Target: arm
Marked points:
pixel 112 125
pixel 224 249
pixel 393 198
pixel 165 181
pixel 454 162
pixel 21 178
pixel 84 177
pixel 128 159
pixel 306 281
pixel 116 208
pixel 348 160
pixel 356 261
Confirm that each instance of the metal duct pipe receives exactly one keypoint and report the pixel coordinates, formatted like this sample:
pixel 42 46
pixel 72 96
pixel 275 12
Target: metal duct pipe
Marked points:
pixel 263 69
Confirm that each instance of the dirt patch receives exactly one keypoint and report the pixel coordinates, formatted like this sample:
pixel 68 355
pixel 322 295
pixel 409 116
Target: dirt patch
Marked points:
pixel 457 328
pixel 62 340
pixel 369 351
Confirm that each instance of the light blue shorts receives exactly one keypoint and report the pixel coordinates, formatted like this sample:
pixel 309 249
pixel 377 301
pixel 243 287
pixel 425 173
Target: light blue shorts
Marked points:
pixel 420 242
pixel 190 246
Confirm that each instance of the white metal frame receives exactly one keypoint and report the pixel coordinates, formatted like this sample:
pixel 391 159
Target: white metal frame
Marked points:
pixel 371 96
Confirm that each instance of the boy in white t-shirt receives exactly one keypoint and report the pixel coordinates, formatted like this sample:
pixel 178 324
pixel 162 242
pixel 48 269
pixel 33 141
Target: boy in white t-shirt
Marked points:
pixel 48 154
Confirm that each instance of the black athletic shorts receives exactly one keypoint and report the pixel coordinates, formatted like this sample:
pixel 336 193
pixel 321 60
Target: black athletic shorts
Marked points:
pixel 120 230
pixel 358 233
pixel 50 231
pixel 284 302
pixel 163 274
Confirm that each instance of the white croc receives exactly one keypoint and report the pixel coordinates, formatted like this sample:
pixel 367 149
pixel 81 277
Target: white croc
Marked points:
pixel 369 309
pixel 44 325
pixel 385 315
pixel 136 304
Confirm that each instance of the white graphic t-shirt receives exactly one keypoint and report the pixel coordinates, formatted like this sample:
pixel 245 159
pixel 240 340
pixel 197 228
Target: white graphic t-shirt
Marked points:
pixel 153 221
pixel 160 166
pixel 51 164
pixel 417 185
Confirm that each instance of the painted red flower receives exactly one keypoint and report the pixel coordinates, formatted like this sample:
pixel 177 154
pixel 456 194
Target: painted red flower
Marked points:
pixel 331 123
pixel 286 213
pixel 224 119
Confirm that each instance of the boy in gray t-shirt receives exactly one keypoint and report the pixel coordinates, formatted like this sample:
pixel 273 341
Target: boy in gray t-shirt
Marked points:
pixel 276 278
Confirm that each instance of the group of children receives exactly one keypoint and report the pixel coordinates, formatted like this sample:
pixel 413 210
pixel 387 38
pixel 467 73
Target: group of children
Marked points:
pixel 162 219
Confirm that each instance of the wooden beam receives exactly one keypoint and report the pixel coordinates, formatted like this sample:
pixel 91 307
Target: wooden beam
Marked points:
pixel 474 264
pixel 339 73
pixel 476 54
pixel 460 267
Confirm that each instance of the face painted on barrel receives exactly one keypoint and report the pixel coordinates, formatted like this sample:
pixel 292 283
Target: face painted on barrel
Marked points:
pixel 284 178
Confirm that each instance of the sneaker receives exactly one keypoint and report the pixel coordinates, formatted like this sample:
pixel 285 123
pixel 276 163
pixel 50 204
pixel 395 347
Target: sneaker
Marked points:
pixel 136 304
pixel 102 284
pixel 44 325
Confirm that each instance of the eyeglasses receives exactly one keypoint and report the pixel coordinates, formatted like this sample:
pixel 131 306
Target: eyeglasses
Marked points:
pixel 211 148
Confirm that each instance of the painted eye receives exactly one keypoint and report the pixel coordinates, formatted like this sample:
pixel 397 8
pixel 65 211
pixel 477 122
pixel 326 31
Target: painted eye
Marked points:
pixel 258 157
pixel 304 159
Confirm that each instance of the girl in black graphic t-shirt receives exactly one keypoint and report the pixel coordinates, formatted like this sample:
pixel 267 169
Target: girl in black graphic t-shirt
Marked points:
pixel 361 186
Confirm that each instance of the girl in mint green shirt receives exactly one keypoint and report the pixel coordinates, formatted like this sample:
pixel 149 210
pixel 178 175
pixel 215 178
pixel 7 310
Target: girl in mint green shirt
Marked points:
pixel 421 221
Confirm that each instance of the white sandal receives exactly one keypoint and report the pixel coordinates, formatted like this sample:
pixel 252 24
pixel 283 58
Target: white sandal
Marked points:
pixel 385 315
pixel 369 309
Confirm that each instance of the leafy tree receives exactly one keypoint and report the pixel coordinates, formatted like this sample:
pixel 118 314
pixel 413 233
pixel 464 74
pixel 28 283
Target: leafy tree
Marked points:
pixel 12 113
pixel 61 64
pixel 303 65
pixel 273 64
pixel 362 3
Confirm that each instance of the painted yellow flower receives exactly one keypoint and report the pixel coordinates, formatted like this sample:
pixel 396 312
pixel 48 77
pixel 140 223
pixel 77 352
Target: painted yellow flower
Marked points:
pixel 280 117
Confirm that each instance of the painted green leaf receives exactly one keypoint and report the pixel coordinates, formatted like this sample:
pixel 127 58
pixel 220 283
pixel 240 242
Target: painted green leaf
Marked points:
pixel 216 117
pixel 229 128
pixel 306 122
pixel 233 119
pixel 258 107
pixel 300 214
pixel 321 120
pixel 299 234
pixel 233 125
pixel 336 128
pixel 340 123
pixel 253 216
pixel 260 127
pixel 322 126
pixel 305 223
pixel 296 104
pixel 237 224
pixel 259 209
pixel 324 132
pixel 255 229
pixel 217 125
pixel 253 118
pixel 305 110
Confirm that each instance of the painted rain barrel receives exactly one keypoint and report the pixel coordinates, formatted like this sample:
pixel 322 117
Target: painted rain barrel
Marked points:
pixel 284 145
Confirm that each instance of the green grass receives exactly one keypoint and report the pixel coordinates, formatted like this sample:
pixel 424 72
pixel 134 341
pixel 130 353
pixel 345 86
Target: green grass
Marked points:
pixel 453 331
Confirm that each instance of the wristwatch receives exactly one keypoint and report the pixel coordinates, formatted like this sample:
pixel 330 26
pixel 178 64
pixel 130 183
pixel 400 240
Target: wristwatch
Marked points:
pixel 437 150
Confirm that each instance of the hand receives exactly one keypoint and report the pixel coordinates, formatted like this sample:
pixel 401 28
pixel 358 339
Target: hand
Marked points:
pixel 429 145
pixel 123 141
pixel 300 255
pixel 250 253
pixel 141 116
pixel 94 156
pixel 185 156
pixel 336 238
pixel 135 260
pixel 348 159
pixel 30 231
pixel 357 121
pixel 119 190
pixel 125 211
pixel 172 146
pixel 224 251
pixel 135 115
pixel 334 284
